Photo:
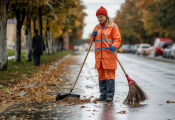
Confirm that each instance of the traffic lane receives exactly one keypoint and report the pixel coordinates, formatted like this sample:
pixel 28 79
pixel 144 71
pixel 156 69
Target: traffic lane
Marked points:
pixel 157 80
pixel 150 76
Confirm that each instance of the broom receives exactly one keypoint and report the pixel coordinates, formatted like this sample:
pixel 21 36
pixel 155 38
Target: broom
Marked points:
pixel 69 98
pixel 135 94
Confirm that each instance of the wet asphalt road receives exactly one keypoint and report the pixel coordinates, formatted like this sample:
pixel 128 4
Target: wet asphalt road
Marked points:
pixel 157 79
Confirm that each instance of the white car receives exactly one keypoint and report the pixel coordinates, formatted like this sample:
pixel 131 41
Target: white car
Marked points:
pixel 172 51
pixel 169 52
pixel 166 52
pixel 143 49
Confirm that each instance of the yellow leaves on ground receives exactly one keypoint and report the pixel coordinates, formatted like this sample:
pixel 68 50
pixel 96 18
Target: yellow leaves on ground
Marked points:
pixel 83 107
pixel 168 101
pixel 95 101
pixel 47 80
pixel 108 104
pixel 73 101
pixel 122 112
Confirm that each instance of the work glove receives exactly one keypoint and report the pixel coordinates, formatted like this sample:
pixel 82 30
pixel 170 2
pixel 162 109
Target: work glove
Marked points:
pixel 94 33
pixel 111 48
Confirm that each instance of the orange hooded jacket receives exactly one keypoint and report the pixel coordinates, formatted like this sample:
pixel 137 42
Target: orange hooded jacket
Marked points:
pixel 103 55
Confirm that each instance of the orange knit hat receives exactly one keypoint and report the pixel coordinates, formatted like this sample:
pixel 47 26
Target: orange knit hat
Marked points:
pixel 102 11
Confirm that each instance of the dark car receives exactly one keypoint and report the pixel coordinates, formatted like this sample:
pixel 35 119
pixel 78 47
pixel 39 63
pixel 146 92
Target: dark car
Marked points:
pixel 135 47
pixel 126 48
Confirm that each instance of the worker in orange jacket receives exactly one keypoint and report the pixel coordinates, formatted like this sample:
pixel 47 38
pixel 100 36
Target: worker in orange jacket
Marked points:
pixel 106 63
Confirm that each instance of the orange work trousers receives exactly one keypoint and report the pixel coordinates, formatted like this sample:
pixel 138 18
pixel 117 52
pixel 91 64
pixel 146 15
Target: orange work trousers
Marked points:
pixel 105 74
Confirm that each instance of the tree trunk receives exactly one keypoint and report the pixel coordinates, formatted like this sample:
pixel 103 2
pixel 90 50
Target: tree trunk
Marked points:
pixel 3 37
pixel 48 38
pixel 51 44
pixel 18 34
pixel 18 42
pixel 46 47
pixel 28 37
pixel 48 41
pixel 54 46
pixel 40 21
pixel 34 23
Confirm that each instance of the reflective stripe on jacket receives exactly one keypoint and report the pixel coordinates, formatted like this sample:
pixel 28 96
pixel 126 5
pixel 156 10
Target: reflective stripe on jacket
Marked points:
pixel 102 52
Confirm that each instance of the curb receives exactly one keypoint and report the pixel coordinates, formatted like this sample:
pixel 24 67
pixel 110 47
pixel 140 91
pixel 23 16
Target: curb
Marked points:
pixel 162 60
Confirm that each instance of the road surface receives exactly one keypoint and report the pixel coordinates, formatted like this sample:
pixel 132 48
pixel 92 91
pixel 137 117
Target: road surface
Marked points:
pixel 156 78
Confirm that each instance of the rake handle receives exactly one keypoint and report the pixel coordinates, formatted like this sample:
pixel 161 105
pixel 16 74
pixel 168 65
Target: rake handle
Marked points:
pixel 83 61
pixel 115 54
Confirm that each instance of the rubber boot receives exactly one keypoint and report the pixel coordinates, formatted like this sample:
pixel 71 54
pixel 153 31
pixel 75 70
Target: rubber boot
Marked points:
pixel 110 90
pixel 103 90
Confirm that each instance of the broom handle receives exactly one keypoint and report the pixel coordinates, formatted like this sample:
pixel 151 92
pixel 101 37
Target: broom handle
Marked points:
pixel 115 54
pixel 83 62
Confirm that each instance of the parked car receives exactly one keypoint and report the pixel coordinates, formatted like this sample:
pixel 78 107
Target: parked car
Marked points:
pixel 169 52
pixel 143 49
pixel 135 48
pixel 75 48
pixel 160 44
pixel 131 48
pixel 151 50
pixel 125 48
pixel 118 49
pixel 166 52
pixel 172 51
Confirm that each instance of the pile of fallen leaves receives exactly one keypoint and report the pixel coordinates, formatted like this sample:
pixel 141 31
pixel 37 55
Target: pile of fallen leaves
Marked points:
pixel 170 101
pixel 74 101
pixel 47 80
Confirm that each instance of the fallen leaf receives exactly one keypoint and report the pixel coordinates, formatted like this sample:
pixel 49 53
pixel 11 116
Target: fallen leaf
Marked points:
pixel 83 107
pixel 95 101
pixel 170 101
pixel 122 112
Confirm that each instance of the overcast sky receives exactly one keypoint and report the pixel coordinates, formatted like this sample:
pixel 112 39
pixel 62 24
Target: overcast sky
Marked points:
pixel 91 7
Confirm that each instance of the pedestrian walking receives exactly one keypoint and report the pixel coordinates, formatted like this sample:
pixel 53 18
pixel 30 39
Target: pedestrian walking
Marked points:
pixel 38 47
pixel 105 61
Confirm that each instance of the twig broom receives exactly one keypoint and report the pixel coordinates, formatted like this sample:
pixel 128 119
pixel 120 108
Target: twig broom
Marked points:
pixel 135 94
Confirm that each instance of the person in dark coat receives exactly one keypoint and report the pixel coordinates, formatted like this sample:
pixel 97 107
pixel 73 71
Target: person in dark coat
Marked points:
pixel 38 47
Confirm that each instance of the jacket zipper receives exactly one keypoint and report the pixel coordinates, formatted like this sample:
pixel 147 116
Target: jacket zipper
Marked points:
pixel 101 41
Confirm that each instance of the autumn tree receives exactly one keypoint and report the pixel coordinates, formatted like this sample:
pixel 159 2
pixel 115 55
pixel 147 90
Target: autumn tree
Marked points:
pixel 28 35
pixel 129 21
pixel 3 35
pixel 140 21
pixel 166 17
pixel 69 18
pixel 77 29
pixel 19 13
